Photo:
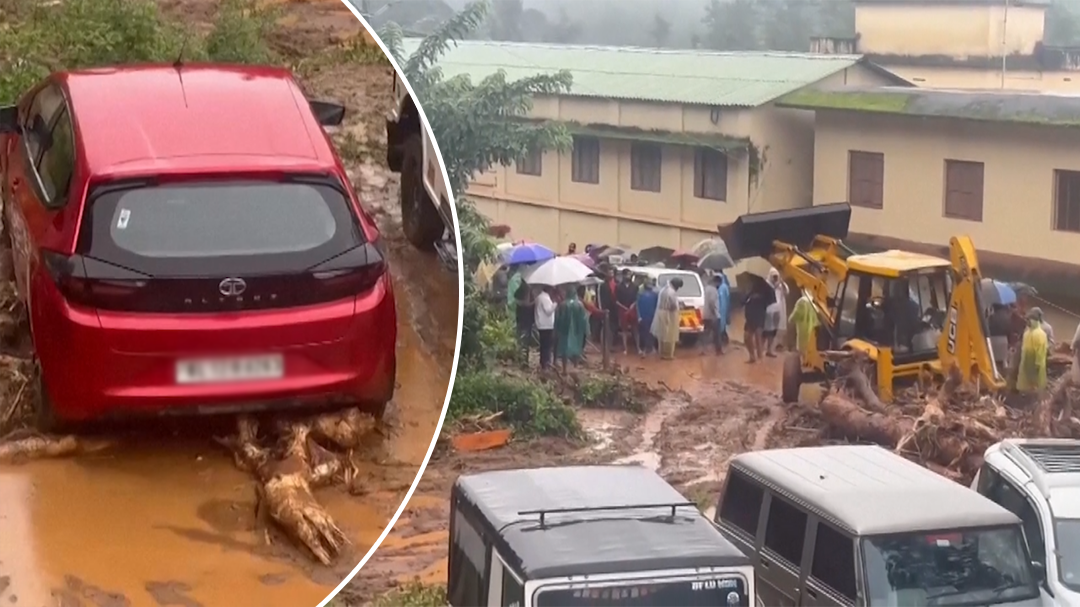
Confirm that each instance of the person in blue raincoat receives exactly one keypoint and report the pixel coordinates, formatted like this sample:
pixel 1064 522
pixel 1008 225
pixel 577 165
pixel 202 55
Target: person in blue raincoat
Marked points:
pixel 725 307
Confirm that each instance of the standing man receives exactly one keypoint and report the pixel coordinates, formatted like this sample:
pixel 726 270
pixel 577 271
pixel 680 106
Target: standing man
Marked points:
pixel 776 314
pixel 710 316
pixel 626 298
pixel 571 325
pixel 758 300
pixel 572 248
pixel 610 307
pixel 524 317
pixel 646 311
pixel 725 307
pixel 545 325
pixel 666 322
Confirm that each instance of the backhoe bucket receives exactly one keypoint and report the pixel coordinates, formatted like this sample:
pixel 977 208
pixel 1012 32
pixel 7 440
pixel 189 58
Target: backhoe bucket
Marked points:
pixel 753 235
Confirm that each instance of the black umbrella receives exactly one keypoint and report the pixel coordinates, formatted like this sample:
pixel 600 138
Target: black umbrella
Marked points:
pixel 655 254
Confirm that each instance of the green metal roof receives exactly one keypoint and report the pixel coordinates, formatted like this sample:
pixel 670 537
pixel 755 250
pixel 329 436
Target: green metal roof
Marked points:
pixel 989 106
pixel 739 79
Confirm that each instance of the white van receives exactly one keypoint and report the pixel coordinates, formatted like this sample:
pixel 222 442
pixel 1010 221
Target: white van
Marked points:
pixel 691 295
pixel 1038 480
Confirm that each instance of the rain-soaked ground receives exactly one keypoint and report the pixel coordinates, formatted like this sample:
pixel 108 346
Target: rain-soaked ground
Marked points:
pixel 166 518
pixel 714 408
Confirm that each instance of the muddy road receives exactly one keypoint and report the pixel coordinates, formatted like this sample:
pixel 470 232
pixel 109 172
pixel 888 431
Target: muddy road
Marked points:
pixel 166 518
pixel 713 408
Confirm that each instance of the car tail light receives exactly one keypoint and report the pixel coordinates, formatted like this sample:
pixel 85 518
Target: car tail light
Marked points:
pixel 93 283
pixel 698 314
pixel 351 273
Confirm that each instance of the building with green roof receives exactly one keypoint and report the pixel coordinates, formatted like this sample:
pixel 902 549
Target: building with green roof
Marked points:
pixel 920 165
pixel 667 143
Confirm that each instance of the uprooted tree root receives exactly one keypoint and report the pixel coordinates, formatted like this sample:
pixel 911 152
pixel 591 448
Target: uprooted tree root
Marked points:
pixel 300 457
pixel 948 428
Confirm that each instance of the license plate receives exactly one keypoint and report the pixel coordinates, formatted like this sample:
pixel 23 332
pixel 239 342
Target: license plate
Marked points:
pixel 224 370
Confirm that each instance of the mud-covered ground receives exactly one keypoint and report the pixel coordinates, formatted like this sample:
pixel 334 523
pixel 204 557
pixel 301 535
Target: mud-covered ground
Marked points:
pixel 166 518
pixel 711 409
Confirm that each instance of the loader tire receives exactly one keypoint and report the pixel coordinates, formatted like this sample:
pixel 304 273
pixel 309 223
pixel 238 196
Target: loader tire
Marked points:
pixel 791 378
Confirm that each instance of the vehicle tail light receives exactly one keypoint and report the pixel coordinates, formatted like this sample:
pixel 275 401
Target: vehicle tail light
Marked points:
pixel 351 273
pixel 698 314
pixel 93 283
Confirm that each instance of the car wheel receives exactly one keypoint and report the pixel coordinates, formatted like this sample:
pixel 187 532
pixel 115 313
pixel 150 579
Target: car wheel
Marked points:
pixel 420 219
pixel 44 414
pixel 377 408
pixel 791 380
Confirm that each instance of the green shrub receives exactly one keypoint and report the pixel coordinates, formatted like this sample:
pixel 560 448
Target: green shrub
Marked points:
pixel 38 38
pixel 609 392
pixel 414 594
pixel 532 408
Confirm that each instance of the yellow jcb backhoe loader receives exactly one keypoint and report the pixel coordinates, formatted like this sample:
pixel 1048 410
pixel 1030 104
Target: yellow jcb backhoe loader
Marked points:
pixel 906 311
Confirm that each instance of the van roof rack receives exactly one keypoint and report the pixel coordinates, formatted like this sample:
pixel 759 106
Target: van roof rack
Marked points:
pixel 545 511
pixel 1053 459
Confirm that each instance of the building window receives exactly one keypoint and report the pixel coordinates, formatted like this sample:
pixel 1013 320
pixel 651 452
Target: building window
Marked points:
pixel 1067 201
pixel 586 160
pixel 866 179
pixel 710 174
pixel 964 190
pixel 645 167
pixel 532 164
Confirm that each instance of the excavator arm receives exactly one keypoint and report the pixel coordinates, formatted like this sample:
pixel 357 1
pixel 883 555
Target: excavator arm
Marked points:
pixel 965 341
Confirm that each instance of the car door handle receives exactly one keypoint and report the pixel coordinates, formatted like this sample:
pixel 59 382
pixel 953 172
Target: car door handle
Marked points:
pixel 765 563
pixel 810 593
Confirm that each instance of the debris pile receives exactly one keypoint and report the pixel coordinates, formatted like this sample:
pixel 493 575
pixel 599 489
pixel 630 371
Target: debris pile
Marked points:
pixel 291 462
pixel 945 428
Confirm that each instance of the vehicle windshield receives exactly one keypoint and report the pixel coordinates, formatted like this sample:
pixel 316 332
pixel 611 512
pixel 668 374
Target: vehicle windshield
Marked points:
pixel 720 590
pixel 691 285
pixel 1067 536
pixel 970 567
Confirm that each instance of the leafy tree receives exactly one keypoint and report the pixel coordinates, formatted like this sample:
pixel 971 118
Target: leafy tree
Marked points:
pixel 1063 23
pixel 564 30
pixel 731 25
pixel 477 125
pixel 505 21
pixel 787 24
pixel 661 30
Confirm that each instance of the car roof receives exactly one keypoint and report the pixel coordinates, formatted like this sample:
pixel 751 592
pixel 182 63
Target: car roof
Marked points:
pixel 894 262
pixel 868 490
pixel 623 538
pixel 1053 465
pixel 154 118
pixel 654 271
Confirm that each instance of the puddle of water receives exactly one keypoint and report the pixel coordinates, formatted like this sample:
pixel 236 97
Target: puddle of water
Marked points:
pixel 646 454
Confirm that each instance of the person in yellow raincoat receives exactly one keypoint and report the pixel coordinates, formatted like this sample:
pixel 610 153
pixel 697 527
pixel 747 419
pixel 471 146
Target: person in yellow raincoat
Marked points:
pixel 805 320
pixel 1033 350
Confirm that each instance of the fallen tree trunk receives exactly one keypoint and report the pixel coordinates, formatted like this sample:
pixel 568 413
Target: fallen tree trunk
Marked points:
pixel 14 450
pixel 286 478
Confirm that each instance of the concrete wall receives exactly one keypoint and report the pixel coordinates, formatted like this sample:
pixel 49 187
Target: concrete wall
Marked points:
pixel 552 209
pixel 955 31
pixel 971 78
pixel 1018 183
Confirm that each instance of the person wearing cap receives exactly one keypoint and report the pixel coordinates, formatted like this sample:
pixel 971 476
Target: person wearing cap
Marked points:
pixel 1034 348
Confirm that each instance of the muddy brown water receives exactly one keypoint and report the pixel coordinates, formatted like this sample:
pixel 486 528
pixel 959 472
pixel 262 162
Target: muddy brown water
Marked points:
pixel 170 521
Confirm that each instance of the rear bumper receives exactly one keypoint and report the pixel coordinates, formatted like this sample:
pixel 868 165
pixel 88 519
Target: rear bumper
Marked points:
pixel 108 365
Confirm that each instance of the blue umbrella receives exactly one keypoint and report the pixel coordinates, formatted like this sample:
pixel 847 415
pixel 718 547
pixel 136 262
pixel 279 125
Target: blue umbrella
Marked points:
pixel 995 292
pixel 527 253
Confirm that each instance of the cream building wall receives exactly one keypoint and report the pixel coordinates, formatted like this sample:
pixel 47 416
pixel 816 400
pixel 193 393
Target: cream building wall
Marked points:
pixel 958 31
pixel 1018 188
pixel 554 210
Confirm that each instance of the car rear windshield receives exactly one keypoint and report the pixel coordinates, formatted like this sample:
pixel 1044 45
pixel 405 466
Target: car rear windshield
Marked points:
pixel 691 285
pixel 722 590
pixel 242 227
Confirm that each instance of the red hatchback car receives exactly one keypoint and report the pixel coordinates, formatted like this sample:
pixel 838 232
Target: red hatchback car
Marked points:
pixel 185 239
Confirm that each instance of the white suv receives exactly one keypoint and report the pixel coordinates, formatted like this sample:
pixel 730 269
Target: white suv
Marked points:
pixel 1039 481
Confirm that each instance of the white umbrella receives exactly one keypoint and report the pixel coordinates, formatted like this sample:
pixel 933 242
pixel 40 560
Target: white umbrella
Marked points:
pixel 559 271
